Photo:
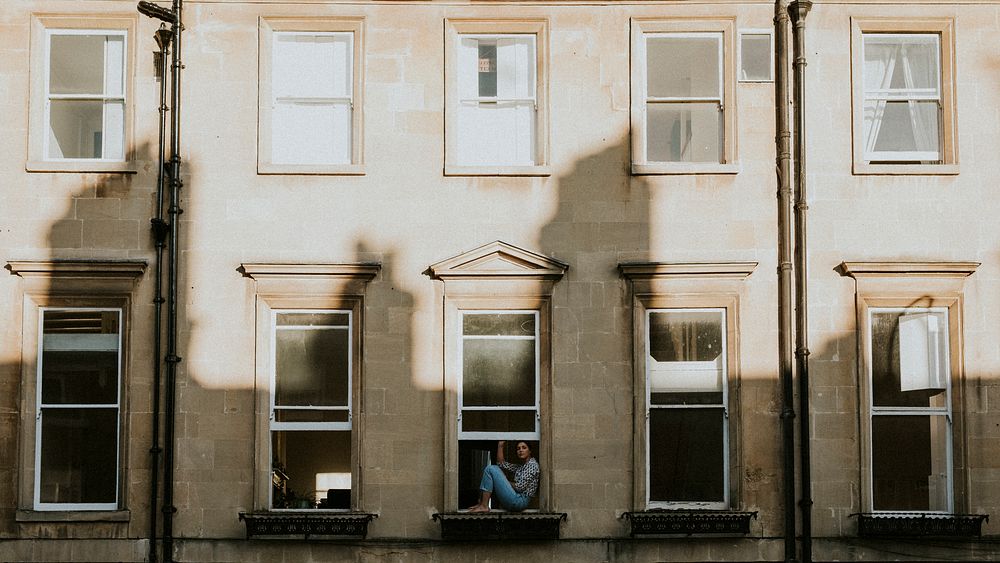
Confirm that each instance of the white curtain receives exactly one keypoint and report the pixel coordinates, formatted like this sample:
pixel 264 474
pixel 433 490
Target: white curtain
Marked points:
pixel 311 85
pixel 901 94
pixel 500 130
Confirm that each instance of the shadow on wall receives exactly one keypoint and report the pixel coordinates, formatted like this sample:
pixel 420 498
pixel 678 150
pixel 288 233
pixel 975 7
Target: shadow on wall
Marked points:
pixel 602 218
pixel 107 219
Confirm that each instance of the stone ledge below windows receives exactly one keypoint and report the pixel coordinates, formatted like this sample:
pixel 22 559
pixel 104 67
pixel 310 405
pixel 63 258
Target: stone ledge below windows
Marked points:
pixel 920 524
pixel 688 522
pixel 271 525
pixel 72 516
pixel 500 525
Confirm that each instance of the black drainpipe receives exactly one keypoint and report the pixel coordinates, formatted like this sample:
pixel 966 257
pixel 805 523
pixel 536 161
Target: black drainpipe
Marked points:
pixel 172 359
pixel 785 351
pixel 159 228
pixel 798 10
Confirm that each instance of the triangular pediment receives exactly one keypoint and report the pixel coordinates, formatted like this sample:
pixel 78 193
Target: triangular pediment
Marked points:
pixel 499 259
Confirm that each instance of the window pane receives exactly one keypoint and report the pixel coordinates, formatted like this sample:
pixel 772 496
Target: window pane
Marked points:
pixel 312 65
pixel 79 456
pixel 910 462
pixel 684 66
pixel 901 62
pixel 498 372
pixel 487 70
pixel 76 64
pixel 888 389
pixel 76 129
pixel 309 415
pixel 684 132
pixel 312 319
pixel 113 134
pixel 498 324
pixel 685 336
pixel 311 470
pixel 311 133
pixel 498 421
pixel 686 455
pixel 114 74
pixel 495 134
pixel 312 367
pixel 692 398
pixel 902 126
pixel 516 67
pixel 755 56
pixel 80 357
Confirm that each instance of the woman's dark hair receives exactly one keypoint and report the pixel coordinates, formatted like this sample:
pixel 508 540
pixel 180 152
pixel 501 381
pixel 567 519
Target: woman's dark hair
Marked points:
pixel 528 444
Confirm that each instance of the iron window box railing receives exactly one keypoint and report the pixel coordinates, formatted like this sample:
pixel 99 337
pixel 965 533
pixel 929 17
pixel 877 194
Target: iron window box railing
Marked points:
pixel 348 525
pixel 920 524
pixel 500 525
pixel 688 522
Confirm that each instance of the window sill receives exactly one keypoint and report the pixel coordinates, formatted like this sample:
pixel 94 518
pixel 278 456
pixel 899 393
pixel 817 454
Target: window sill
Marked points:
pixel 452 170
pixel 906 169
pixel 684 168
pixel 94 166
pixel 313 525
pixel 72 516
pixel 902 524
pixel 497 525
pixel 312 169
pixel 688 522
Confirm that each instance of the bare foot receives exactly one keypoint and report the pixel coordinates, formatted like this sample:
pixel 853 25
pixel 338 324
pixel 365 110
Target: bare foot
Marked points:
pixel 479 508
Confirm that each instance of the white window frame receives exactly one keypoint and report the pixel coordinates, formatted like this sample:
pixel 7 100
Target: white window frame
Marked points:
pixel 510 436
pixel 269 27
pixel 78 284
pixel 886 95
pixel 945 411
pixel 455 31
pixel 720 366
pixel 309 288
pixel 897 163
pixel 103 97
pixel 739 47
pixel 275 426
pixel 43 28
pixel 643 29
pixel 40 407
pixel 686 286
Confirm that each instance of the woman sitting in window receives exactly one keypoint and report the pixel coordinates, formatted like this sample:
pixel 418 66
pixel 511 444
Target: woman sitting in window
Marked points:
pixel 511 496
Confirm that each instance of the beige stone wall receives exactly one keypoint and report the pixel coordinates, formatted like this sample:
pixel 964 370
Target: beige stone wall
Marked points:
pixel 590 213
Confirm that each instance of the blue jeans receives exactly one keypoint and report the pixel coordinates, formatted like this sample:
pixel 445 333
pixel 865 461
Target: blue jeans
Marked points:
pixel 495 482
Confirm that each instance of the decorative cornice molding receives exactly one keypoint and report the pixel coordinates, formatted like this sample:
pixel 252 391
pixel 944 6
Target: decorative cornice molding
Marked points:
pixel 650 270
pixel 365 272
pixel 498 260
pixel 129 269
pixel 908 269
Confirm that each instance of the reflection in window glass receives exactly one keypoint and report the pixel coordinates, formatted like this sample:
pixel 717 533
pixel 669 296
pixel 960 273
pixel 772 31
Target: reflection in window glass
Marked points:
pixel 687 433
pixel 77 443
pixel 85 95
pixel 910 410
pixel 684 89
pixel 311 413
pixel 756 57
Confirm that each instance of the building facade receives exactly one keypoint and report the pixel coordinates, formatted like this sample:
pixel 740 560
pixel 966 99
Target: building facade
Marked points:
pixel 411 230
